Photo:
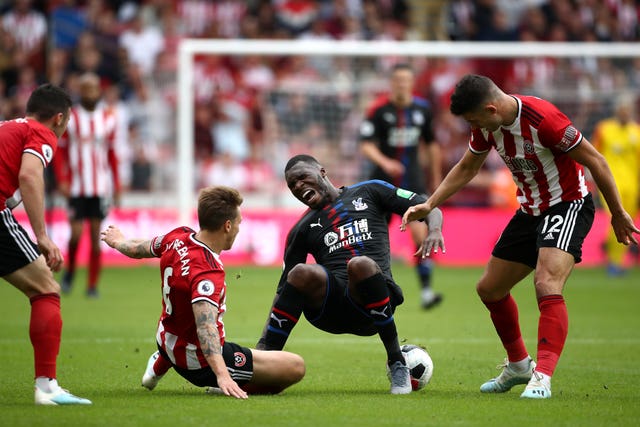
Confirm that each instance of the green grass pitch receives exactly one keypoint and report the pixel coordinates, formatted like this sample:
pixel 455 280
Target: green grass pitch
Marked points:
pixel 106 343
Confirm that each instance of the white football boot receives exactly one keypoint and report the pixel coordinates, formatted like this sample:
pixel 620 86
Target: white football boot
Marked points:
pixel 149 379
pixel 400 378
pixel 508 378
pixel 59 397
pixel 537 388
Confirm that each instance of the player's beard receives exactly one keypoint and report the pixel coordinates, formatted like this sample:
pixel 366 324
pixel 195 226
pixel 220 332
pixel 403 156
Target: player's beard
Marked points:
pixel 89 104
pixel 325 195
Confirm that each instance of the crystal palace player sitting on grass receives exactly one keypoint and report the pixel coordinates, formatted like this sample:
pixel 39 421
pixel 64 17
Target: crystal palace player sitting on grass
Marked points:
pixel 190 335
pixel 545 154
pixel 350 289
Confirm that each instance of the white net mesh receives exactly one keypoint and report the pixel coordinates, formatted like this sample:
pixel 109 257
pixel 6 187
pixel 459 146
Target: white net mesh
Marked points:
pixel 270 100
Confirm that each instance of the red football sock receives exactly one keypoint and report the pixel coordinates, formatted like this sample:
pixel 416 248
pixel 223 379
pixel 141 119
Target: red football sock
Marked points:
pixel 45 330
pixel 161 366
pixel 504 314
pixel 95 265
pixel 553 327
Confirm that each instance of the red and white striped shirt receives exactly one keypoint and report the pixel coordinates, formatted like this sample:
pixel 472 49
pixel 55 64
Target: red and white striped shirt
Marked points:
pixel 29 29
pixel 87 159
pixel 535 149
pixel 21 136
pixel 191 272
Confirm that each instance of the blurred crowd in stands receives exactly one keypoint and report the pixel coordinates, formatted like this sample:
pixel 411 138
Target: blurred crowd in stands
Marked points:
pixel 253 112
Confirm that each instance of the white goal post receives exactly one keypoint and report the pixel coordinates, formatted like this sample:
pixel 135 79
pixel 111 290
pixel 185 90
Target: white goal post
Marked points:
pixel 188 48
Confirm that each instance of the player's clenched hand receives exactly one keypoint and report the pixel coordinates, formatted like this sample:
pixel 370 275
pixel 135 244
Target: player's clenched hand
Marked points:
pixel 51 253
pixel 432 243
pixel 111 236
pixel 230 388
pixel 624 228
pixel 414 213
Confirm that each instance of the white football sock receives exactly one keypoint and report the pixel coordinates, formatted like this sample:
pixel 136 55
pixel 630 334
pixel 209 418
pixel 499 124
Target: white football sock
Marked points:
pixel 520 365
pixel 47 385
pixel 543 378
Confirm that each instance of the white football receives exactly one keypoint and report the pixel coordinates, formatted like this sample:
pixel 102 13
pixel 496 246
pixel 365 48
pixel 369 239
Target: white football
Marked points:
pixel 420 365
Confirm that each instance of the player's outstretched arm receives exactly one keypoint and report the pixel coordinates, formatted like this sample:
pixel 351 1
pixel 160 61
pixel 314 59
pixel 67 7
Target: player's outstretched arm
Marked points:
pixel 621 221
pixel 457 178
pixel 133 248
pixel 206 315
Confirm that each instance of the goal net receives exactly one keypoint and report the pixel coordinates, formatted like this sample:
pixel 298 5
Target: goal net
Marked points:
pixel 268 100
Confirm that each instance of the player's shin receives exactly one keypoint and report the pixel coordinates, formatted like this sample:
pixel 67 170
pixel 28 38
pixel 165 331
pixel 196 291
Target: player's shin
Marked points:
pixel 553 328
pixel 95 265
pixel 374 294
pixel 424 268
pixel 45 330
pixel 504 315
pixel 283 317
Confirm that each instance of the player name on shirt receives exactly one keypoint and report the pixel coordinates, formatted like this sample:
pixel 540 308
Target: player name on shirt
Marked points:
pixel 183 251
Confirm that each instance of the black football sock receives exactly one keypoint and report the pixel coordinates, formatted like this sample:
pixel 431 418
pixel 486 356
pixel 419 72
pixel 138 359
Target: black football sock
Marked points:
pixel 284 316
pixel 375 296
pixel 424 268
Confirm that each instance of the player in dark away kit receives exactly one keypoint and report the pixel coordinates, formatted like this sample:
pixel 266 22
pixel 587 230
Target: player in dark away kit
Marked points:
pixel 350 289
pixel 397 138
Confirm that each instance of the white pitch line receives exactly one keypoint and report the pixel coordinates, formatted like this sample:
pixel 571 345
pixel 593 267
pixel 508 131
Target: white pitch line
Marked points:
pixel 347 340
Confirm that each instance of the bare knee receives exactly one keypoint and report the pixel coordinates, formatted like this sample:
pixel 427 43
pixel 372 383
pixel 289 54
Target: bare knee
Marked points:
pixel 34 279
pixel 360 268
pixel 44 283
pixel 273 371
pixel 487 292
pixel 306 278
pixel 297 368
pixel 547 285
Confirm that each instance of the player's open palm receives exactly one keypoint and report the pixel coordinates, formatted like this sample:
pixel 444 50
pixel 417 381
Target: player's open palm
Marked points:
pixel 230 388
pixel 433 243
pixel 624 228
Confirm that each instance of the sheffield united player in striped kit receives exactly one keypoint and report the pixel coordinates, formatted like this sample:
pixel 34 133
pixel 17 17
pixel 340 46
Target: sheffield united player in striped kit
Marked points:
pixel 546 155
pixel 28 145
pixel 191 336
pixel 87 171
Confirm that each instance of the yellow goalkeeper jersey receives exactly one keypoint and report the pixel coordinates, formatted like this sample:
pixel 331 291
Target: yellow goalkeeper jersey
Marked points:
pixel 620 145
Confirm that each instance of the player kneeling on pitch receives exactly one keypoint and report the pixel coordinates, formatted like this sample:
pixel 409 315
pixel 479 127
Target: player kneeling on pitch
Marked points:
pixel 191 337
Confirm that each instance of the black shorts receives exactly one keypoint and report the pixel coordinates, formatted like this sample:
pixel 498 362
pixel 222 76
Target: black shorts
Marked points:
pixel 88 208
pixel 563 226
pixel 239 361
pixel 16 247
pixel 340 315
